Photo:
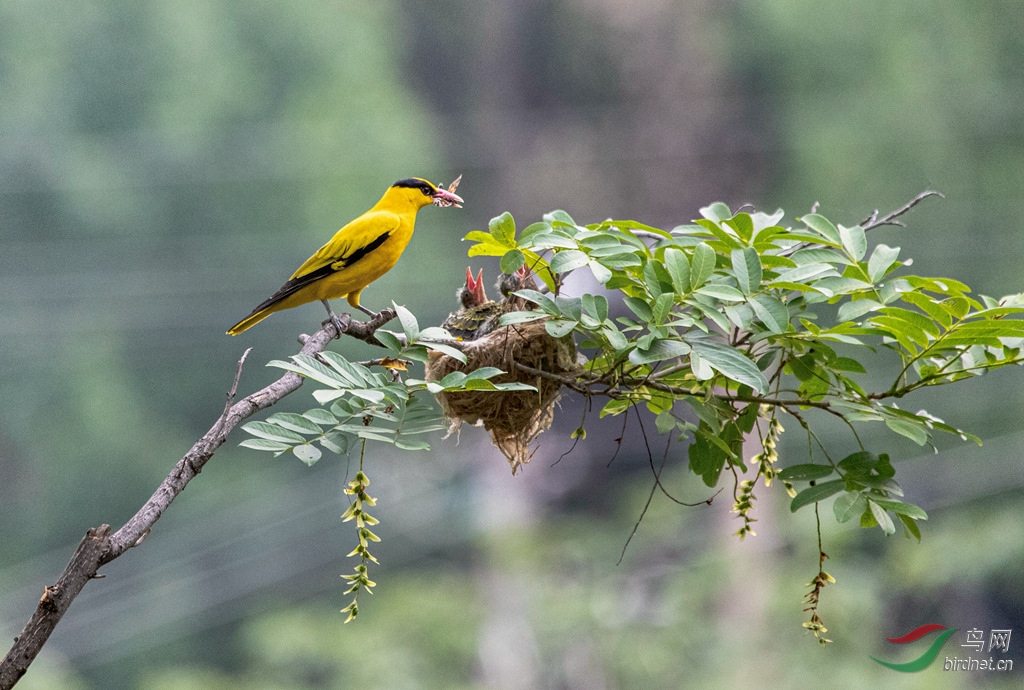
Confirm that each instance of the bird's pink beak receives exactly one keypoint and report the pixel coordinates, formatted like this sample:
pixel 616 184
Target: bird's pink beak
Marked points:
pixel 444 198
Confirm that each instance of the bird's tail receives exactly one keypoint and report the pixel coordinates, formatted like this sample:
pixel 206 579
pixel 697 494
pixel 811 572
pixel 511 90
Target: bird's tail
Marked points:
pixel 249 321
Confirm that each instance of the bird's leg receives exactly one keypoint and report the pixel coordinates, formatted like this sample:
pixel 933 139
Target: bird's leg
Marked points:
pixel 335 319
pixel 369 312
pixel 378 317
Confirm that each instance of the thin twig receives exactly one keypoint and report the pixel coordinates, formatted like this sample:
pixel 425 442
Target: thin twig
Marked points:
pixel 873 221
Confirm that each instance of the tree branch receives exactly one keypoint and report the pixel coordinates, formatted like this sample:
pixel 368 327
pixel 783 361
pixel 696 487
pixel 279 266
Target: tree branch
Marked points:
pixel 873 221
pixel 99 547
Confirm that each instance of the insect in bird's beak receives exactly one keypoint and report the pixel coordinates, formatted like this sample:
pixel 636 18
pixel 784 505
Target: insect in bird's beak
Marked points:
pixel 447 197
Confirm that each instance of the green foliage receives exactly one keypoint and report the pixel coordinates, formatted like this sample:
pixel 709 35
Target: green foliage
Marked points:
pixel 741 317
pixel 738 316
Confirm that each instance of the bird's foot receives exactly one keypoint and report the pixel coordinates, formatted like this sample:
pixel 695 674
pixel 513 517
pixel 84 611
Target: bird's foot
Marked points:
pixel 341 323
pixel 378 318
pixel 384 315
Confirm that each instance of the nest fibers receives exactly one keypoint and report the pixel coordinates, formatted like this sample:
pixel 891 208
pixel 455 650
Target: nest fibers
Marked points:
pixel 513 418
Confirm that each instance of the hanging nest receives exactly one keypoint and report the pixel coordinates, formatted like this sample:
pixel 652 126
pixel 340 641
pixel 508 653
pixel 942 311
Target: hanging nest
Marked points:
pixel 513 418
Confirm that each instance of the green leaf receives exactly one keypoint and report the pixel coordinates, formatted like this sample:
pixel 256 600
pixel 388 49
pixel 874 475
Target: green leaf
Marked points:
pixel 388 340
pixel 478 385
pixel 818 255
pixel 805 472
pixel 503 229
pixel 296 422
pixel 882 518
pixel 489 248
pixel 742 224
pixel 551 240
pixel 662 307
pixel 659 350
pixel 741 316
pixel 568 260
pixel 452 352
pixel 521 317
pixel 595 305
pixel 325 396
pixel 559 216
pixel 533 229
pixel 900 508
pixel 702 371
pixel 307 453
pixel 370 395
pixel 273 432
pixel 823 227
pixel 484 373
pixel 771 311
pixel 352 372
pixel 308 367
pixel 512 261
pixel 840 286
pixel 601 273
pixel 818 492
pixel 652 273
pixel 702 265
pixel 617 260
pixel 569 307
pixel 805 273
pixel 639 307
pixel 881 261
pixel 918 321
pixel 720 291
pixel 848 364
pixel 849 505
pixel 545 302
pixel 679 269
pixel 558 328
pixel 746 266
pixel 716 211
pixel 855 242
pixel 731 363
pixel 478 236
pixel 911 526
pixel 915 432
pixel 319 415
pixel 336 442
pixel 454 378
pixel 665 422
pixel 265 444
pixel 850 311
pixel 408 321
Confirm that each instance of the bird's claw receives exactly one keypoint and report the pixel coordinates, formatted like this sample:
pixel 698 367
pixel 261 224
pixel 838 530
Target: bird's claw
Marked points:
pixel 385 315
pixel 340 322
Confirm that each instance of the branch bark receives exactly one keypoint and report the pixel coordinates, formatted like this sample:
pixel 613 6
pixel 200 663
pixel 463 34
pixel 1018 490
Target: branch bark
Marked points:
pixel 100 546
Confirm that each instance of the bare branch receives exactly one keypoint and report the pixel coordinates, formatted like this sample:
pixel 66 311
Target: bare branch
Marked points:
pixel 55 601
pixel 100 547
pixel 873 221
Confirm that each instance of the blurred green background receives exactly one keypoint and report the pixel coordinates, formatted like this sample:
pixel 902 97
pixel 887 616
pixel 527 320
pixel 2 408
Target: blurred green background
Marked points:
pixel 164 166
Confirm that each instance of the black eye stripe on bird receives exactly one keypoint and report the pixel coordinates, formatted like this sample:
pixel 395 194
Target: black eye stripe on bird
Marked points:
pixel 415 183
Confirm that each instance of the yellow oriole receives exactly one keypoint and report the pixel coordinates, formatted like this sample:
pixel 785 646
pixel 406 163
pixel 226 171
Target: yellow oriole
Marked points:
pixel 358 254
